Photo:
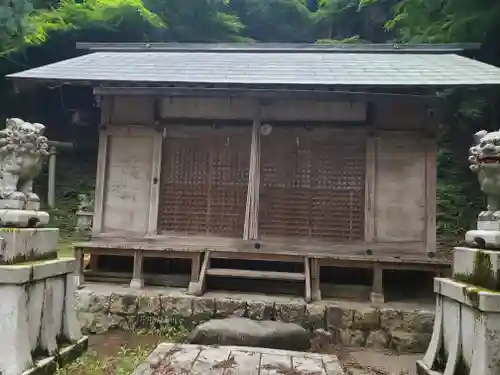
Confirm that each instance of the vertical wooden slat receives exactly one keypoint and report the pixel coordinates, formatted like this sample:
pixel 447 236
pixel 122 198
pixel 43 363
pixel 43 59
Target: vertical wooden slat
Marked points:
pixel 430 201
pixel 102 158
pixel 195 267
pixel 155 184
pixel 137 280
pixel 315 279
pixel 79 278
pixel 370 174
pixel 377 294
pixel 307 272
pixel 251 228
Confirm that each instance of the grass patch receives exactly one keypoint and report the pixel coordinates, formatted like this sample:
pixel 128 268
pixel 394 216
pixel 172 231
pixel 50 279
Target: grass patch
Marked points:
pixel 65 248
pixel 123 363
pixel 119 353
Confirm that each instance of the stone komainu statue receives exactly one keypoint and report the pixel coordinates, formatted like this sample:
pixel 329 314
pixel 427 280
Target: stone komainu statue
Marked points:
pixel 23 149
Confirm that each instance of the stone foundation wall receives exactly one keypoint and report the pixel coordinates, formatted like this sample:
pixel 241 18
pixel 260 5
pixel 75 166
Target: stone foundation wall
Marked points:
pixel 101 309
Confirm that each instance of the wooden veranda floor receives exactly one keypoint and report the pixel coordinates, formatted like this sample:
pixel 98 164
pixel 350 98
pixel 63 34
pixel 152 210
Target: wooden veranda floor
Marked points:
pixel 312 254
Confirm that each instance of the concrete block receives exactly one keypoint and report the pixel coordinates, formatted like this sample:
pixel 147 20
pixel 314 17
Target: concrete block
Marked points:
pixel 25 244
pixel 16 204
pixel 15 274
pixel 71 326
pixel 15 350
pixel 490 238
pixel 23 218
pixel 464 257
pixel 52 268
pixel 51 328
pixel 29 272
pixel 36 293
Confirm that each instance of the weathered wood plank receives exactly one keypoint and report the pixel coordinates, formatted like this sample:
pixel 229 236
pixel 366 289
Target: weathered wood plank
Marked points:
pixel 270 275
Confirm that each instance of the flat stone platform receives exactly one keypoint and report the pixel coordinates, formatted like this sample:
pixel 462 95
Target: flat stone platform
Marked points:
pixel 173 359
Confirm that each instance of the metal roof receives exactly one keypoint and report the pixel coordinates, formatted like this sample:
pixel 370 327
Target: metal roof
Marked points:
pixel 272 68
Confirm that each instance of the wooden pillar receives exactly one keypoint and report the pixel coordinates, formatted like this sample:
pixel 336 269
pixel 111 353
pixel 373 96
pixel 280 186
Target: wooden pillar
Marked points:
pixel 315 279
pixel 307 273
pixel 377 294
pixel 430 196
pixel 370 176
pixel 251 229
pixel 51 190
pixel 100 182
pixel 137 281
pixel 79 267
pixel 195 267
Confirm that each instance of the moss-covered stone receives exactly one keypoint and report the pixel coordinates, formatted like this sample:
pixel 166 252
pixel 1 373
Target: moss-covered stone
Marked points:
pixel 482 274
pixel 32 257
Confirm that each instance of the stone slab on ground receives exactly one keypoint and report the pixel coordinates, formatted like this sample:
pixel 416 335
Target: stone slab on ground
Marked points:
pixel 368 362
pixel 248 332
pixel 173 359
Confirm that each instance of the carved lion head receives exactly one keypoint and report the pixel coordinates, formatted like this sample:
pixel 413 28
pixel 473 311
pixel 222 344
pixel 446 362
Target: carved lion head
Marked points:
pixel 486 152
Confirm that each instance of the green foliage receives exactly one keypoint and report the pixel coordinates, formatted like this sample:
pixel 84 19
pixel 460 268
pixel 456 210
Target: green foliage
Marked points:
pixel 124 363
pixel 13 20
pixel 35 27
pixel 343 19
pixel 275 20
pixel 446 21
pixel 196 21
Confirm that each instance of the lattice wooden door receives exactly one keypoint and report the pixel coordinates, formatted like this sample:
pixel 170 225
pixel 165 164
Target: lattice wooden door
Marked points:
pixel 312 183
pixel 204 180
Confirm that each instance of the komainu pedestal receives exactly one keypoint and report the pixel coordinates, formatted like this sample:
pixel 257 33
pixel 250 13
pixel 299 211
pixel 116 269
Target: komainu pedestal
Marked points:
pixel 38 324
pixel 466 335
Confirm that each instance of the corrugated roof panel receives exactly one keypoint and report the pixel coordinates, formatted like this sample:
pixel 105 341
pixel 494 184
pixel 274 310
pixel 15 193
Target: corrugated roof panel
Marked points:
pixel 349 69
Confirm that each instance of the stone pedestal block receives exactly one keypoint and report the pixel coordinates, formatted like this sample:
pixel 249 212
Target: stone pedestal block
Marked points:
pixel 23 218
pixel 37 310
pixel 489 239
pixel 466 260
pixel 466 334
pixel 28 244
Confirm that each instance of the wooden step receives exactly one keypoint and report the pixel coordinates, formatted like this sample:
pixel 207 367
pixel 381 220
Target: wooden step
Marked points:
pixel 227 272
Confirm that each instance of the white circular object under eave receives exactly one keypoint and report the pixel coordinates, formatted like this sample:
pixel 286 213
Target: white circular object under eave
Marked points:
pixel 266 129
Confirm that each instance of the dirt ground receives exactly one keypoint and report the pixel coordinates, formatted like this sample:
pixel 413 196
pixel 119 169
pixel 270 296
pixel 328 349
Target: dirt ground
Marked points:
pixel 354 360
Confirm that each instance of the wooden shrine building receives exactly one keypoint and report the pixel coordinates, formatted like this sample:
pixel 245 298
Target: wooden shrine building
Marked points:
pixel 305 154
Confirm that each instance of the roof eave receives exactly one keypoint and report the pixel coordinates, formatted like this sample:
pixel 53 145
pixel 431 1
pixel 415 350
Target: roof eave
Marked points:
pixel 280 47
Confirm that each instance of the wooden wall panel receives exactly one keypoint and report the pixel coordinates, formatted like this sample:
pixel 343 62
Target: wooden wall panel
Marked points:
pixel 282 110
pixel 400 190
pixel 312 183
pixel 130 110
pixel 204 180
pixel 127 190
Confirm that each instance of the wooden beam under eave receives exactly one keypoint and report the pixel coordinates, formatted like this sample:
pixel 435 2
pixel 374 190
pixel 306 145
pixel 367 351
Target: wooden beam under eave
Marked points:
pixel 251 228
